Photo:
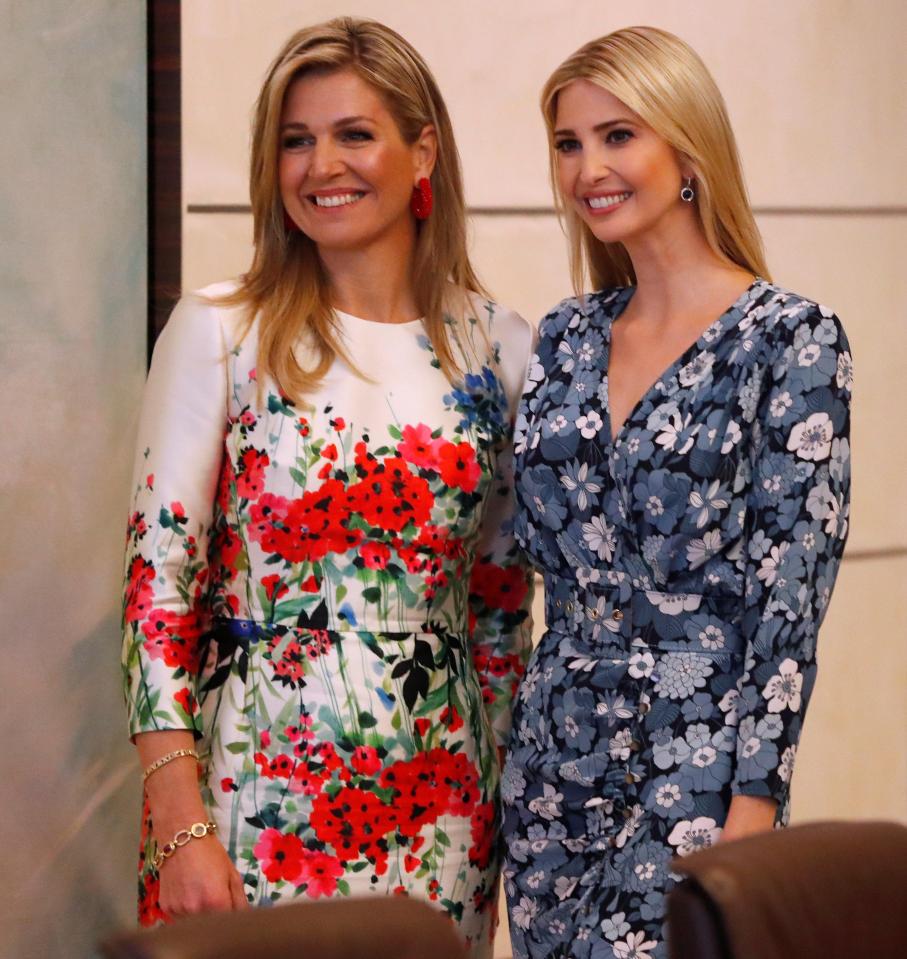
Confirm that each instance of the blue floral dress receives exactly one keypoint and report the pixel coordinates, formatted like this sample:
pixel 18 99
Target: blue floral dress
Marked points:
pixel 688 565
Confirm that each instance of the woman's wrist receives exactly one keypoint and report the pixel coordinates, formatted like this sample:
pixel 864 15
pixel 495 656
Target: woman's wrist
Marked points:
pixel 170 819
pixel 748 815
pixel 182 837
pixel 175 800
pixel 170 757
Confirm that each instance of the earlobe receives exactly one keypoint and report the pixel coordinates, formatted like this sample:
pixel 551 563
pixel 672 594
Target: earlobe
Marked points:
pixel 687 170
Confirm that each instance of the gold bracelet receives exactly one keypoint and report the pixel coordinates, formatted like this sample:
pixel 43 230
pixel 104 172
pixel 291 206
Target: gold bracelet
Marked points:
pixel 166 758
pixel 198 830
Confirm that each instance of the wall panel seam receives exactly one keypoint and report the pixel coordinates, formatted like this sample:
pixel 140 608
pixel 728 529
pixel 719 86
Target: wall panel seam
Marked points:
pixel 881 211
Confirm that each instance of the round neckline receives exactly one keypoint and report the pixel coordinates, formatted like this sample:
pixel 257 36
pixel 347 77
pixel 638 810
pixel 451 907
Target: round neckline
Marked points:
pixel 362 322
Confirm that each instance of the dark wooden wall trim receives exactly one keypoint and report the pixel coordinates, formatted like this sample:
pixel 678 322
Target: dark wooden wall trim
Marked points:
pixel 164 163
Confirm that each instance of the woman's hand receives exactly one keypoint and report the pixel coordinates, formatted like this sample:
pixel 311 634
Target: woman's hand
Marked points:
pixel 200 877
pixel 747 816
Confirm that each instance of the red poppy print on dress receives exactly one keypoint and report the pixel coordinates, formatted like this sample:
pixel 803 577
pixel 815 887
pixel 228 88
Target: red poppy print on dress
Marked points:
pixel 250 480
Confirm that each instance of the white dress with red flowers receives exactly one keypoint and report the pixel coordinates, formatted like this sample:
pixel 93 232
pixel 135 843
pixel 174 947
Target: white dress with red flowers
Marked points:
pixel 331 599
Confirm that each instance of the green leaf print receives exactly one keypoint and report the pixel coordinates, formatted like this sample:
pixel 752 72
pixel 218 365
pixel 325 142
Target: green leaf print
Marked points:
pixel 454 908
pixel 372 594
pixel 278 405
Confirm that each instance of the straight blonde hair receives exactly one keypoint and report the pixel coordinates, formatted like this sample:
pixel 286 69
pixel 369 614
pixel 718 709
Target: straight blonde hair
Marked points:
pixel 663 81
pixel 286 286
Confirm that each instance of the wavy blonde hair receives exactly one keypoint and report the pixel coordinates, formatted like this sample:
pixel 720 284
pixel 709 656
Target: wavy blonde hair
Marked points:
pixel 663 81
pixel 286 286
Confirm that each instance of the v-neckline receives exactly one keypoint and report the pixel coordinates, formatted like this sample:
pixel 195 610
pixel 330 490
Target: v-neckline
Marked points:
pixel 707 337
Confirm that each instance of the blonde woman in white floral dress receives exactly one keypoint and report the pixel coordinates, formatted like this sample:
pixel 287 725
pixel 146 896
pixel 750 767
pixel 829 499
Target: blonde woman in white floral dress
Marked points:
pixel 324 600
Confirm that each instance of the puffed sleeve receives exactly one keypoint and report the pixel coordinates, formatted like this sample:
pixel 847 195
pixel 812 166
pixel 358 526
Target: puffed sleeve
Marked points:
pixel 796 526
pixel 178 457
pixel 501 584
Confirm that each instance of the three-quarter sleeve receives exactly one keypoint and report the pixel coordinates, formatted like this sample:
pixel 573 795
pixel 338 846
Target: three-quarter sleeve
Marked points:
pixel 796 526
pixel 501 583
pixel 178 458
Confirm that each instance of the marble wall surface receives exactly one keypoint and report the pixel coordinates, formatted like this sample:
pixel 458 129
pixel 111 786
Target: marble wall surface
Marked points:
pixel 72 360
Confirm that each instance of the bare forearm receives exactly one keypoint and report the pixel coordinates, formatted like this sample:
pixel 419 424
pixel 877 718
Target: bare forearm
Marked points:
pixel 172 790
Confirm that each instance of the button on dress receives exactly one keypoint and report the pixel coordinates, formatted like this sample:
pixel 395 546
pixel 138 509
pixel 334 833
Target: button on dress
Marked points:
pixel 330 597
pixel 688 565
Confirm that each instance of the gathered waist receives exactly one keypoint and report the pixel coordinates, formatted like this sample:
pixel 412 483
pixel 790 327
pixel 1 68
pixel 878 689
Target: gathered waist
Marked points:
pixel 626 616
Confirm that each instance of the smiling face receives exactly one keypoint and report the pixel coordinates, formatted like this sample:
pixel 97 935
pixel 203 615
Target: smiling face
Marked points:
pixel 622 178
pixel 346 174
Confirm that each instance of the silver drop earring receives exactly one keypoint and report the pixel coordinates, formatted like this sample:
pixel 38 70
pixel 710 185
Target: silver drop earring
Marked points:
pixel 687 193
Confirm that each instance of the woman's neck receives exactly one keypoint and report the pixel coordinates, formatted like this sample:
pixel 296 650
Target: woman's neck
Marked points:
pixel 679 274
pixel 374 283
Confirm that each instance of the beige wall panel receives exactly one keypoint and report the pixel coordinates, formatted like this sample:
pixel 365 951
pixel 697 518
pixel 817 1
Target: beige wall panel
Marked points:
pixel 813 86
pixel 853 264
pixel 215 247
pixel 502 947
pixel 522 260
pixel 852 763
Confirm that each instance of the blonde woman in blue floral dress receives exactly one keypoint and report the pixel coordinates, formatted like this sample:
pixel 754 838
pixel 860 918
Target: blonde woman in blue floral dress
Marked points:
pixel 682 477
pixel 324 599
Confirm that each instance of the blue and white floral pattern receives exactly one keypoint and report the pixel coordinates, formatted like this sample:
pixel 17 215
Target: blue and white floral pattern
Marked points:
pixel 688 564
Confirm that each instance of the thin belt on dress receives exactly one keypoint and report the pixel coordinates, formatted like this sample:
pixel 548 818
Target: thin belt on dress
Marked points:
pixel 617 615
pixel 245 632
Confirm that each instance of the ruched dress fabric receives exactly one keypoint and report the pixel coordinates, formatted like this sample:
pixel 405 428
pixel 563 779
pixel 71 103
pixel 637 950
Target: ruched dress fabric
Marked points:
pixel 332 601
pixel 688 564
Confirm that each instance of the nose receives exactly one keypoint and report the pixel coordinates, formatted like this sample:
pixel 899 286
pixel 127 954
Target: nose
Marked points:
pixel 594 166
pixel 326 160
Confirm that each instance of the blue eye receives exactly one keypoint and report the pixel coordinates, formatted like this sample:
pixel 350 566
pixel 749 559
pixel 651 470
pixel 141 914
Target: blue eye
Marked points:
pixel 618 136
pixel 567 145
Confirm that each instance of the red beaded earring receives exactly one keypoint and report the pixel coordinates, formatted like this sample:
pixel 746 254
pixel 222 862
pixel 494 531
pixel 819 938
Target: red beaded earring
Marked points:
pixel 422 199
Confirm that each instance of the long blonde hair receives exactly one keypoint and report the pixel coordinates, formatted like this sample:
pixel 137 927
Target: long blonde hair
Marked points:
pixel 663 81
pixel 286 286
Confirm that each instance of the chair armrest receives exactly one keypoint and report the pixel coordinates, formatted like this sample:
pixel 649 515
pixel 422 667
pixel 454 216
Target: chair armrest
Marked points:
pixel 373 928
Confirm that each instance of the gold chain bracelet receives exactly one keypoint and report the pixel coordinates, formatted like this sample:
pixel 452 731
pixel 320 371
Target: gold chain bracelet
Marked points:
pixel 166 758
pixel 198 830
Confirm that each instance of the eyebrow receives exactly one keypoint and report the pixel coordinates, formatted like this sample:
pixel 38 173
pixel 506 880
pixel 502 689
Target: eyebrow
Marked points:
pixel 598 128
pixel 343 122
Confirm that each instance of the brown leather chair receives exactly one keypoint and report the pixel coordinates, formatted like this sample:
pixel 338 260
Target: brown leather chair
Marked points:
pixel 372 928
pixel 832 890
